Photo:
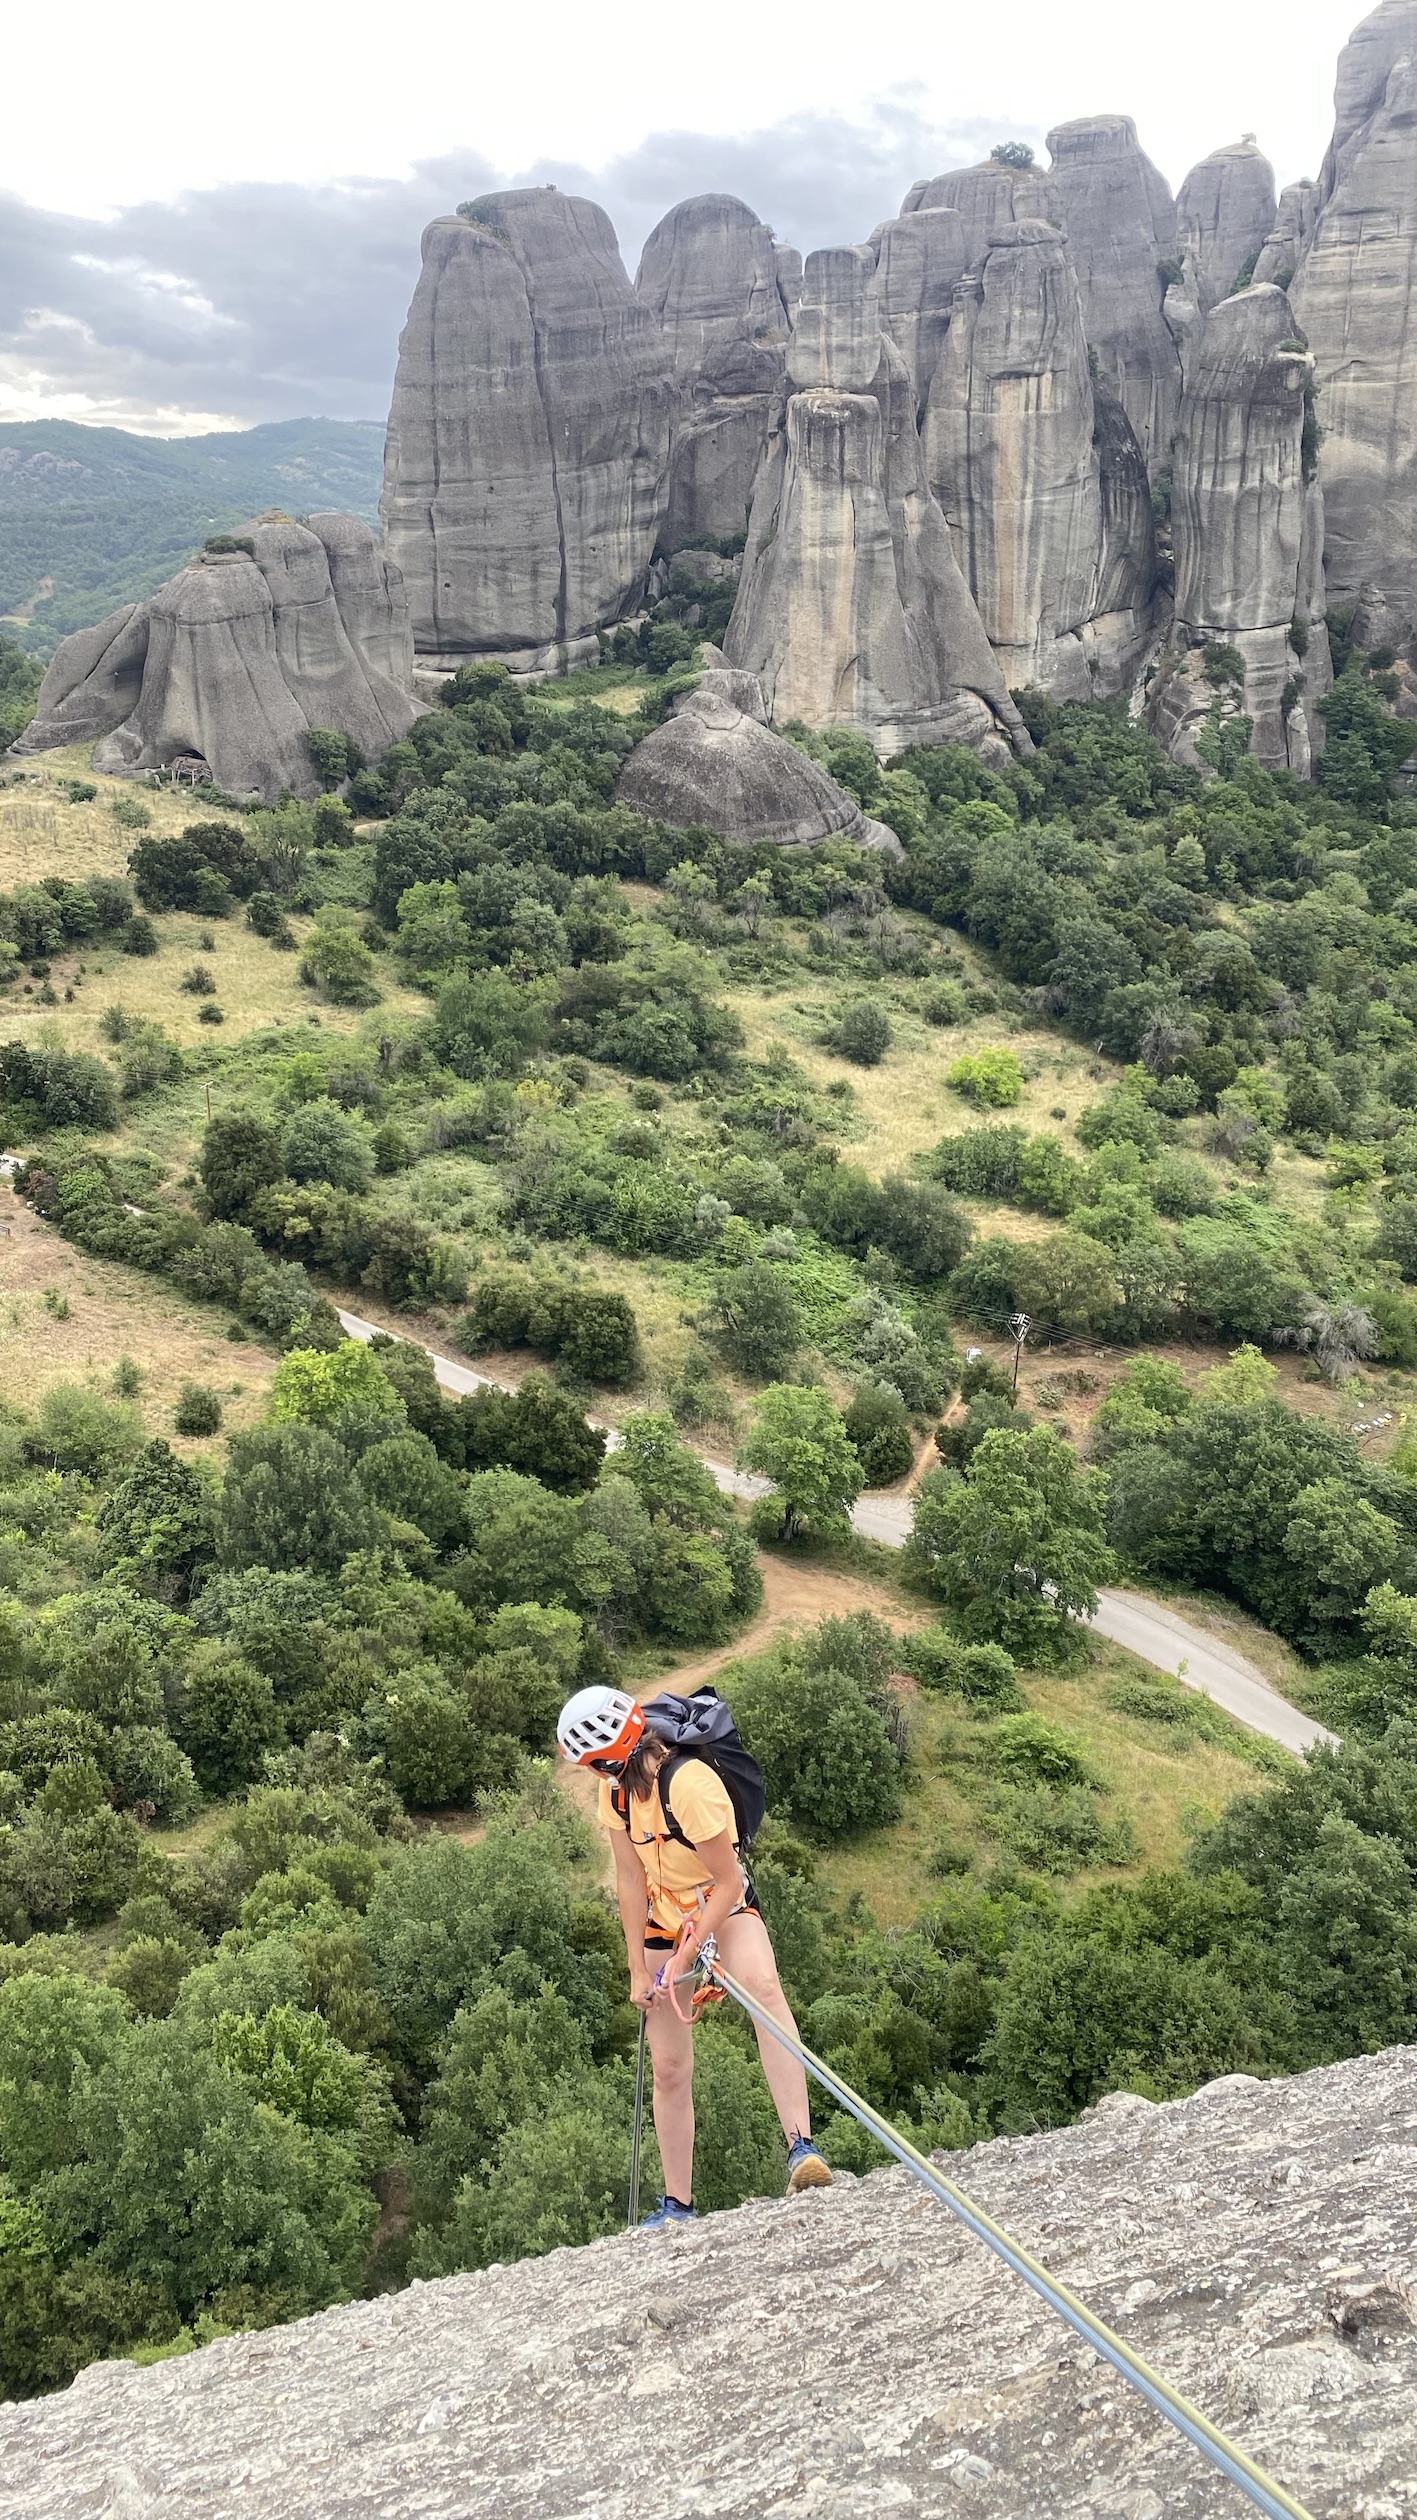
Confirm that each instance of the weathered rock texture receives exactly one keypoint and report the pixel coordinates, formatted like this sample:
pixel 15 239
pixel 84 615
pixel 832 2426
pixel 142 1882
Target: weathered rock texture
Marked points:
pixel 1288 239
pixel 1356 297
pixel 1119 223
pixel 528 445
pixel 709 275
pixel 920 259
pixel 851 609
pixel 92 682
pixel 1224 211
pixel 237 657
pixel 1014 452
pixel 1247 518
pixel 716 761
pixel 849 2353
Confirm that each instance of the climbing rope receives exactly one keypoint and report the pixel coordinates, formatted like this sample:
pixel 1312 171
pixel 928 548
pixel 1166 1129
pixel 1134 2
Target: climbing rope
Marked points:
pixel 1197 2428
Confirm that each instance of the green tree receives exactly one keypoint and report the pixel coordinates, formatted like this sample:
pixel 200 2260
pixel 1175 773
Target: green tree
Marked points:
pixel 1017 1544
pixel 292 1501
pixel 227 1719
pixel 240 1157
pixel 861 1031
pixel 322 1143
pixel 325 1387
pixel 760 1325
pixel 157 1527
pixel 799 1441
pixel 828 1761
pixel 339 964
pixel 878 1425
pixel 179 2178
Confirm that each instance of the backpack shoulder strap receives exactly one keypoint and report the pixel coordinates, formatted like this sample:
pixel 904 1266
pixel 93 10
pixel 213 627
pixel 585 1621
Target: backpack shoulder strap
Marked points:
pixel 671 1764
pixel 620 1805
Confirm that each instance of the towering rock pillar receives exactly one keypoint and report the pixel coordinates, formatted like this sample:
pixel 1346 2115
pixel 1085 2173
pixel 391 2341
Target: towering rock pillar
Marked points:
pixel 1356 298
pixel 709 275
pixel 1224 211
pixel 1248 522
pixel 852 610
pixel 528 441
pixel 1013 451
pixel 1120 222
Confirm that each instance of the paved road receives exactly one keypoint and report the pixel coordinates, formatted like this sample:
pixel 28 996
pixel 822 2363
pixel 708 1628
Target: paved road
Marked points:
pixel 1147 1628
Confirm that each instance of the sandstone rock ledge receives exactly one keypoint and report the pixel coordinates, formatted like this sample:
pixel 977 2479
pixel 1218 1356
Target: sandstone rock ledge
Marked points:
pixel 849 2354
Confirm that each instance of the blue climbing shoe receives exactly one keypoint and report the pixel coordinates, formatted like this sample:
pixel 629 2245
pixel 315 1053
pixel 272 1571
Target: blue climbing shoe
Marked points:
pixel 668 2215
pixel 805 2166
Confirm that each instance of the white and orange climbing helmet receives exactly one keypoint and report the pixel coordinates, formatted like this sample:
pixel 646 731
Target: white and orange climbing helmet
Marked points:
pixel 599 1725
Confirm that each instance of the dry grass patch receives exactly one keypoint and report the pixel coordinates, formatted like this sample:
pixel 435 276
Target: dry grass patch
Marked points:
pixel 41 833
pixel 904 1105
pixel 99 1311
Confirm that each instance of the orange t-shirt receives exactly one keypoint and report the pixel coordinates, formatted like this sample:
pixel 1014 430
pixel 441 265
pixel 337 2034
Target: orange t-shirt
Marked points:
pixel 677 1880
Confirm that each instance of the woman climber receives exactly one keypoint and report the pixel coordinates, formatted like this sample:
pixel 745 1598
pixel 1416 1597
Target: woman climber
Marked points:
pixel 679 1880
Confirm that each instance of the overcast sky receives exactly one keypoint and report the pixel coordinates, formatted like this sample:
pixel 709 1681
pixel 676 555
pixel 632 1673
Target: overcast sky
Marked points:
pixel 212 217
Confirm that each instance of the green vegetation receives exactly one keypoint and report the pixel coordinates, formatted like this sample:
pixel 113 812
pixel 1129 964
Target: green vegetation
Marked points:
pixel 105 516
pixel 290 1900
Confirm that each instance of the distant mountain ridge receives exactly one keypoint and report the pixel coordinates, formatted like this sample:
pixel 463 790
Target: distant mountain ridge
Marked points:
pixel 94 518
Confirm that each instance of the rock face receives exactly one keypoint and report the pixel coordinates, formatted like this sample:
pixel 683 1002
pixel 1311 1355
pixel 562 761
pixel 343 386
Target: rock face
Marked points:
pixel 1013 450
pixel 716 761
pixel 709 276
pixel 528 445
pixel 1247 516
pixel 851 609
pixel 1288 240
pixel 1119 223
pixel 1255 2242
pixel 92 682
pixel 236 658
pixel 1224 211
pixel 1354 297
pixel 920 259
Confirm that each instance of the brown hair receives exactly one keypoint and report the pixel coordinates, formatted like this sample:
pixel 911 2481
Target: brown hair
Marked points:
pixel 643 1764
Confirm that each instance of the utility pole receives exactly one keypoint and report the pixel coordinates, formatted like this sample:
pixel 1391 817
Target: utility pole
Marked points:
pixel 1019 1328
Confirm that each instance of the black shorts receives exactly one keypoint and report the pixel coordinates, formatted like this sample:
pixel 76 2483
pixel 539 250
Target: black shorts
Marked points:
pixel 749 1905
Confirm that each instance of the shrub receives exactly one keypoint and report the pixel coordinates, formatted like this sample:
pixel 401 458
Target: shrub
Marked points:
pixel 878 1425
pixel 198 1410
pixel 760 1326
pixel 991 1076
pixel 139 936
pixel 861 1032
pixel 322 1143
pixel 827 1758
pixel 984 1674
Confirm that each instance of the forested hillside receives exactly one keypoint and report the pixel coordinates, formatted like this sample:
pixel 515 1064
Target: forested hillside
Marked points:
pixel 94 518
pixel 750 1148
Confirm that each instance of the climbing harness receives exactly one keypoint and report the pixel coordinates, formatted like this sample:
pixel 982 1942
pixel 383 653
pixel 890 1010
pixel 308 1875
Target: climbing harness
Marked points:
pixel 1197 2428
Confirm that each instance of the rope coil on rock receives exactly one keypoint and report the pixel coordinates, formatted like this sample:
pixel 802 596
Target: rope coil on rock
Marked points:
pixel 1214 2445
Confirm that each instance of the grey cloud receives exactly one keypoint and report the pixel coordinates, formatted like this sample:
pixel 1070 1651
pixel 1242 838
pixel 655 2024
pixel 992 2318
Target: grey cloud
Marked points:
pixel 268 301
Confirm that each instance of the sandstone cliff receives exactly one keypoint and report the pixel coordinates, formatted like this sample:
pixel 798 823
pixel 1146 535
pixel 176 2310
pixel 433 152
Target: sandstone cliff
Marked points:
pixel 1356 298
pixel 840 2356
pixel 709 276
pixel 528 445
pixel 1120 223
pixel 851 609
pixel 1013 451
pixel 1247 518
pixel 1224 211
pixel 236 658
